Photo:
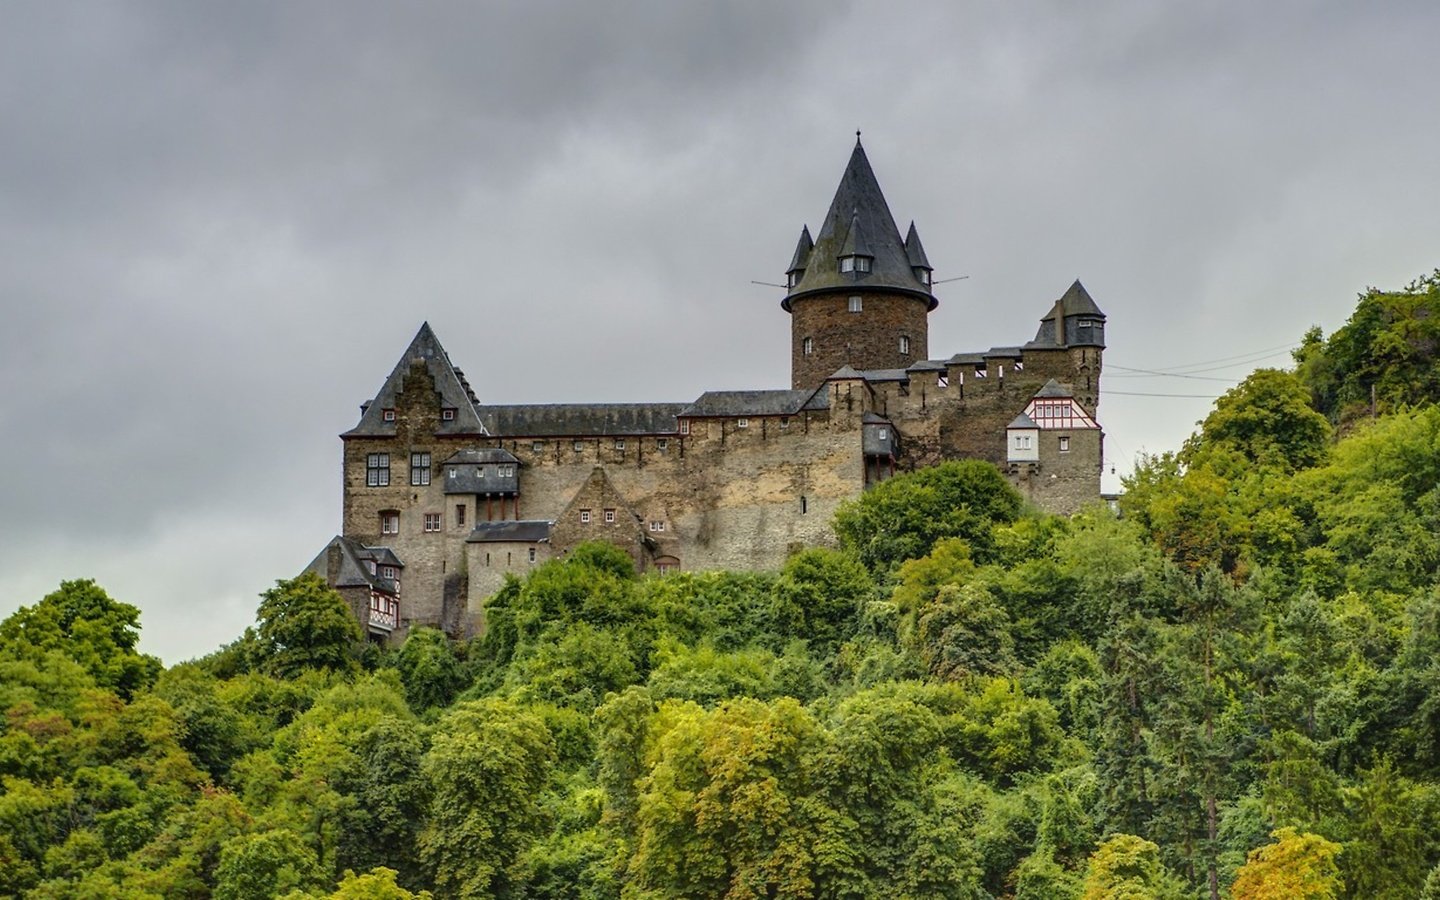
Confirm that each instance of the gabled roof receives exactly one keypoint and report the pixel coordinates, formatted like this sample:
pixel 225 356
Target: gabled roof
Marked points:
pixel 1076 301
pixel 874 375
pixel 716 404
pixel 859 222
pixel 453 391
pixel 1054 388
pixel 871 418
pixel 354 565
pixel 581 419
pixel 1022 421
pixel 846 373
pixel 530 531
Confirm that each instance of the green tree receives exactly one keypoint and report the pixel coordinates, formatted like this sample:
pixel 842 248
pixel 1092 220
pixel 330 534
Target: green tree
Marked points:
pixel 265 865
pixel 1125 867
pixel 819 597
pixel 82 621
pixel 487 765
pixel 304 624
pixel 430 669
pixel 1267 418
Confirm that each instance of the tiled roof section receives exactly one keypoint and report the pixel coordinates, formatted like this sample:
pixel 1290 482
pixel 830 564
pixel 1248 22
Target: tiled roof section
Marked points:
pixel 480 457
pixel 967 359
pixel 1077 302
pixel 747 403
pixel 927 365
pixel 531 531
pixel 454 393
pixel 885 374
pixel 1022 421
pixel 581 419
pixel 354 569
pixel 1054 388
pixel 859 221
pixel 1010 352
pixel 802 251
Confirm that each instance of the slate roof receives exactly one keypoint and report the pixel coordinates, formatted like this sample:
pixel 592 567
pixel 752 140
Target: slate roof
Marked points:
pixel 581 419
pixel 845 373
pixel 928 365
pixel 968 359
pixel 480 457
pixel 1022 421
pixel 1076 301
pixel 1054 388
pixel 915 251
pixel 885 374
pixel 533 531
pixel 454 393
pixel 1012 352
pixel 354 565
pixel 871 418
pixel 747 403
pixel 802 251
pixel 859 221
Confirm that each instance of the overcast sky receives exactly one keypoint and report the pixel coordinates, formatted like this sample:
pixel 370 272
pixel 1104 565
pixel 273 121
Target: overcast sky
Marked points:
pixel 221 224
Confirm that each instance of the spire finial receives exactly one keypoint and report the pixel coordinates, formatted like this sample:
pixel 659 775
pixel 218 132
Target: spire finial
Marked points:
pixel 857 137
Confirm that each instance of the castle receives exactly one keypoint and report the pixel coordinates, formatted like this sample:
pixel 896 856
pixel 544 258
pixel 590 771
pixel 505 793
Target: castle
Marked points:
pixel 448 494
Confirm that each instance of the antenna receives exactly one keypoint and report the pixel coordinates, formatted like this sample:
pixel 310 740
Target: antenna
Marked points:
pixel 771 283
pixel 947 280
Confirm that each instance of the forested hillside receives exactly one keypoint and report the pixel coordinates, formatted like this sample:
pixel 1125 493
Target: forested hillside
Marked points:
pixel 1230 690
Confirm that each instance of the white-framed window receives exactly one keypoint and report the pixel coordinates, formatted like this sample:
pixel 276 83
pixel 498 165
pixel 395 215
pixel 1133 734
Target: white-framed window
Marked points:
pixel 656 525
pixel 609 517
pixel 447 414
pixel 377 469
pixel 532 554
pixel 577 446
pixel 537 446
pixel 856 304
pixel 419 468
pixel 884 434
pixel 847 263
pixel 905 344
pixel 388 415
pixel 807 346
pixel 662 444
pixel 1064 444
pixel 619 443
pixel 684 426
pixel 584 517
pixel 432 521
pixel 784 421
pixel 387 572
pixel 459 514
pixel 506 470
pixel 742 423
pixel 862 263
pixel 1022 441
pixel 390 522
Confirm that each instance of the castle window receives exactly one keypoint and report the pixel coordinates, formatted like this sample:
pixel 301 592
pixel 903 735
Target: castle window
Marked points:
pixel 609 516
pixel 684 426
pixel 1064 445
pixel 854 263
pixel 532 554
pixel 884 434
pixel 389 415
pixel 807 346
pixel 847 264
pixel 459 514
pixel 537 446
pixel 804 505
pixel 619 443
pixel 577 446
pixel 742 423
pixel 432 521
pixel 662 444
pixel 387 572
pixel 390 522
pixel 905 344
pixel 584 517
pixel 657 526
pixel 856 304
pixel 447 414
pixel 419 468
pixel 377 469
pixel 784 421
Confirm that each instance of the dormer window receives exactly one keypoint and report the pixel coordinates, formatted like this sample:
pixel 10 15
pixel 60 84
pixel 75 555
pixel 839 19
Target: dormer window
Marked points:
pixel 922 275
pixel 855 263
pixel 447 414
pixel 388 415
pixel 856 304
pixel 792 277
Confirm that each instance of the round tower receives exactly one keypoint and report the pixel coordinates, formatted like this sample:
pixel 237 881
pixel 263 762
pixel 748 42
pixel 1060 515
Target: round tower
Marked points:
pixel 858 294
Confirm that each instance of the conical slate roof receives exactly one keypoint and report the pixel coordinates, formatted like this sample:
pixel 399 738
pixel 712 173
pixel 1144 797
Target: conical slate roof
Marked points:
pixel 1075 302
pixel 448 383
pixel 858 218
pixel 915 251
pixel 802 251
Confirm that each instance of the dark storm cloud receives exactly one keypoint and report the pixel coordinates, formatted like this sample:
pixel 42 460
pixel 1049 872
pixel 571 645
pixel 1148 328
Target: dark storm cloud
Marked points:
pixel 220 224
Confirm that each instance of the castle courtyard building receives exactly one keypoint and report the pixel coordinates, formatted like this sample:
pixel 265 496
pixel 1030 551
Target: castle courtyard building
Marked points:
pixel 459 492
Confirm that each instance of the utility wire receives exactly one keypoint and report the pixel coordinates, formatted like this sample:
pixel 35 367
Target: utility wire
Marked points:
pixel 1104 392
pixel 1211 365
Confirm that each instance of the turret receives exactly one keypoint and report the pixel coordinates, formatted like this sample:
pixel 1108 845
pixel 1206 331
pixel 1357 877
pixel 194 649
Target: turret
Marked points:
pixel 857 293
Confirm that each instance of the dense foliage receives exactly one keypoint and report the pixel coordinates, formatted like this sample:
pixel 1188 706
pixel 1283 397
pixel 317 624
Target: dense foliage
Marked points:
pixel 1233 690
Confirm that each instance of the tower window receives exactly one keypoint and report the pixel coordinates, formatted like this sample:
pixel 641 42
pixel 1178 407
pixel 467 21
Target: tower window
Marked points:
pixel 390 522
pixel 577 446
pixel 420 468
pixel 742 423
pixel 459 514
pixel 377 470
pixel 807 346
pixel 537 446
pixel 904 345
pixel 854 263
pixel 619 443
pixel 662 444
pixel 804 505
pixel 609 516
pixel 856 304
pixel 584 517
pixel 432 521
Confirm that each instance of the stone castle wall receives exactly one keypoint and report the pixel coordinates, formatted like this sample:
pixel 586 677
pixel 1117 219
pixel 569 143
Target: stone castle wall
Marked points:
pixel 868 339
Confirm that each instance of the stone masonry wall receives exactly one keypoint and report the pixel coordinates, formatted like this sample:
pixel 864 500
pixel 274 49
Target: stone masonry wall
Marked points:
pixel 869 339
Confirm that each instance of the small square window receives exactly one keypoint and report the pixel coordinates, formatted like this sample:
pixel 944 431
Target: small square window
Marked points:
pixel 856 304
pixel 657 526
pixel 742 423
pixel 784 421
pixel 389 415
pixel 577 446
pixel 609 516
pixel 662 444
pixel 584 517
pixel 862 263
pixel 884 434
pixel 537 446
pixel 619 443
pixel 847 264
pixel 532 554
pixel 447 414
pixel 432 521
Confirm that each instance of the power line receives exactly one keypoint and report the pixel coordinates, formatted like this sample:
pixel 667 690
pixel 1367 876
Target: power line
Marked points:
pixel 1229 361
pixel 1152 373
pixel 1144 394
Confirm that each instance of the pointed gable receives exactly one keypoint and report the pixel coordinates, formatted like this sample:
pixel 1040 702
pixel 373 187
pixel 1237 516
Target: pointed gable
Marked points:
pixel 801 260
pixel 1074 320
pixel 859 223
pixel 914 251
pixel 454 393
